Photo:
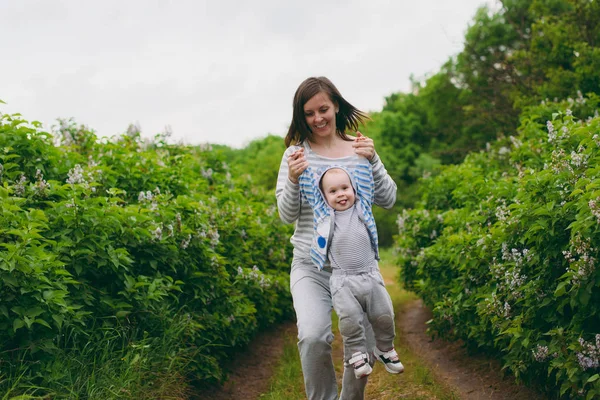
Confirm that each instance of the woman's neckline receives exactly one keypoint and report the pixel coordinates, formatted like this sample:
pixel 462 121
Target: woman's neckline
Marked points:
pixel 310 149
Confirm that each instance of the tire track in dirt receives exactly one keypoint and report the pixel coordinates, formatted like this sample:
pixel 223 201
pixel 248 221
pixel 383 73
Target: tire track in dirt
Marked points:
pixel 251 374
pixel 471 377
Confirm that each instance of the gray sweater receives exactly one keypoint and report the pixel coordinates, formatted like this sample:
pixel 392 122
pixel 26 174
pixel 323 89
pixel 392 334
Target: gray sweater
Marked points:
pixel 293 209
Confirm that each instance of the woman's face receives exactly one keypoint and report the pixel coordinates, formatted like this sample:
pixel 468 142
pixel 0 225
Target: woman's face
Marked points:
pixel 320 112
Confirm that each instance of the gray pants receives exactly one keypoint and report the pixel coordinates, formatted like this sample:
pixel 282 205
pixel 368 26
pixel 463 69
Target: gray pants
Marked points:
pixel 354 294
pixel 313 304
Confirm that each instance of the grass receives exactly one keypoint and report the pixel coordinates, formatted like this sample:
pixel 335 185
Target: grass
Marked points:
pixel 417 382
pixel 111 365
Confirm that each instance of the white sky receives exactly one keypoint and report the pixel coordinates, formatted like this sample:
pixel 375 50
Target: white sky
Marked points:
pixel 219 71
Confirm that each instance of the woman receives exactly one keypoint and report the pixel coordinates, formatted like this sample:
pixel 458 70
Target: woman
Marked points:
pixel 317 137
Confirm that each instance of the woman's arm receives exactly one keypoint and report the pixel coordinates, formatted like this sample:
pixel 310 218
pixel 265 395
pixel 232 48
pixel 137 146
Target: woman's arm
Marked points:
pixel 287 192
pixel 385 187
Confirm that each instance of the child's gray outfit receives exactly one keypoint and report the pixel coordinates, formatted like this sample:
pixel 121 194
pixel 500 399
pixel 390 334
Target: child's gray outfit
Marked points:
pixel 348 240
pixel 357 286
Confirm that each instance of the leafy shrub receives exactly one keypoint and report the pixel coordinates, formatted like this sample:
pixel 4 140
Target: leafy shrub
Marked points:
pixel 152 243
pixel 504 248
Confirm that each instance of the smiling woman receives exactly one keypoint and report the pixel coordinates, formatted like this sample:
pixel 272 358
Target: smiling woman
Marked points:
pixel 317 139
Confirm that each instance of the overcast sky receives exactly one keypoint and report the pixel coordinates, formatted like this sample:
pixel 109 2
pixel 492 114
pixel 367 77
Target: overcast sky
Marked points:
pixel 219 71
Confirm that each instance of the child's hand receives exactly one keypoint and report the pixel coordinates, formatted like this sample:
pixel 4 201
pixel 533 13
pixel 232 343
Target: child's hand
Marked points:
pixel 297 163
pixel 363 146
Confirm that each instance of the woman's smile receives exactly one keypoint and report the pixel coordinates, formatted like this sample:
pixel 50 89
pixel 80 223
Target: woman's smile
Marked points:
pixel 319 112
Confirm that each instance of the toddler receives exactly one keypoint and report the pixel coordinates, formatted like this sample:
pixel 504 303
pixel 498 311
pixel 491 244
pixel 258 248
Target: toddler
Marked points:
pixel 346 235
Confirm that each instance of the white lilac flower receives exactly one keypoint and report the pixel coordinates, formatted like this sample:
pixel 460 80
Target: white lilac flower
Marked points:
pixel 41 185
pixel 502 213
pixel 207 173
pixel 506 311
pixel 516 142
pixel 214 236
pixel 157 233
pixel 551 132
pixel 578 159
pixel 540 353
pixel 503 150
pixel 178 222
pixel 20 186
pixel 186 242
pixel 589 356
pixel 595 208
pixel 76 175
pixel 580 259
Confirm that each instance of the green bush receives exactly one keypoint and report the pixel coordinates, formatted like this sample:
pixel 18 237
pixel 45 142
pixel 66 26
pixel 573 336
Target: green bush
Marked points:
pixel 504 248
pixel 153 244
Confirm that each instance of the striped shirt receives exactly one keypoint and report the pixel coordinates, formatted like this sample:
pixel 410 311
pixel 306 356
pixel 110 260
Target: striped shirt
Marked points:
pixel 351 248
pixel 292 209
pixel 363 184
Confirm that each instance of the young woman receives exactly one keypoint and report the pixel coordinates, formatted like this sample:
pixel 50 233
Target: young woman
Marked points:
pixel 317 137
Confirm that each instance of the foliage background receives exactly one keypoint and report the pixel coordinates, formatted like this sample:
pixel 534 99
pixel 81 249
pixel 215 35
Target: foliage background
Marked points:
pixel 140 255
pixel 141 261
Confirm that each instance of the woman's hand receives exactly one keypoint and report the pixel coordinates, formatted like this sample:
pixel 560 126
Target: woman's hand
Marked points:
pixel 363 146
pixel 297 163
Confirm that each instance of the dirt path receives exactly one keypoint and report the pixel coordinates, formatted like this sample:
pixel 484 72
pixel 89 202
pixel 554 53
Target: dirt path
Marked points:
pixel 471 377
pixel 254 368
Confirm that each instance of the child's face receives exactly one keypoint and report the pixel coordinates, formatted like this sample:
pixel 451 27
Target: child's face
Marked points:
pixel 338 190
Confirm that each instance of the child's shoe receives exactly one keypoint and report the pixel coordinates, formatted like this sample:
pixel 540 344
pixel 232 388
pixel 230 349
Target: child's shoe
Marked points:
pixel 360 363
pixel 390 360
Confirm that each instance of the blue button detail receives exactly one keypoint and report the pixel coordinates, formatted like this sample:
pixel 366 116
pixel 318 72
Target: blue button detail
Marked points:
pixel 321 242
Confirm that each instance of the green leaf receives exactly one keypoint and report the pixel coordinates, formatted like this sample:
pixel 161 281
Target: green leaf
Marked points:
pixel 59 319
pixel 34 312
pixel 593 378
pixel 18 324
pixel 561 289
pixel 122 313
pixel 42 322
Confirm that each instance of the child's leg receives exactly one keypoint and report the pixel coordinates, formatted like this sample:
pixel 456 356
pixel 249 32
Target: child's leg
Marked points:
pixel 350 314
pixel 380 312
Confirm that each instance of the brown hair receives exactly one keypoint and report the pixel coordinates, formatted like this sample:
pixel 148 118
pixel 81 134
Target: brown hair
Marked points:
pixel 348 116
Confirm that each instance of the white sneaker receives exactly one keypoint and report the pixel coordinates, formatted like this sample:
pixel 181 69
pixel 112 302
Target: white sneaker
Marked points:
pixel 390 360
pixel 360 363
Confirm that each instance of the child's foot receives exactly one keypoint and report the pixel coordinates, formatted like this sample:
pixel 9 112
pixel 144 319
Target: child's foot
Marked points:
pixel 360 363
pixel 390 360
